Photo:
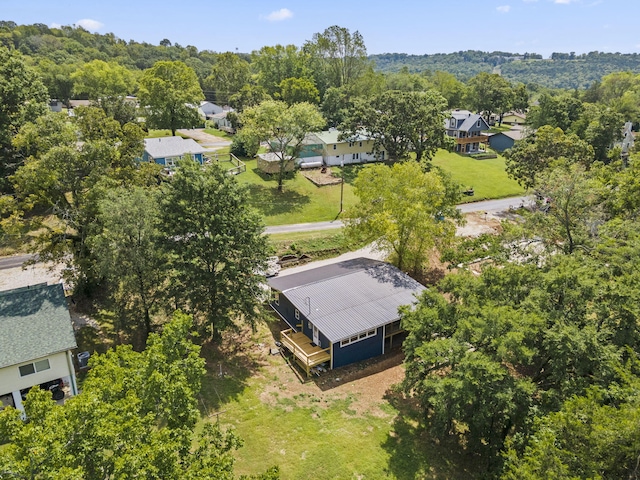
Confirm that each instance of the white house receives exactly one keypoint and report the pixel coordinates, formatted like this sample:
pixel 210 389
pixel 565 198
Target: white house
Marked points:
pixel 36 340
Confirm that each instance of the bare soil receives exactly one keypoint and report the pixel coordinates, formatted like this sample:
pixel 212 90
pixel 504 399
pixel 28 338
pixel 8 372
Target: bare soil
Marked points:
pixel 321 176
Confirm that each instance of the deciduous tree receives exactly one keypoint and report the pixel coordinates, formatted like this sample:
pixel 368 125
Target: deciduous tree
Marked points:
pixel 283 127
pixel 403 210
pixel 170 91
pixel 216 244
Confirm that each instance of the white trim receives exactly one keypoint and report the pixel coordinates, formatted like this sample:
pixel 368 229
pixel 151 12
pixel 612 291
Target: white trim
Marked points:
pixel 276 298
pixel 297 314
pixel 359 337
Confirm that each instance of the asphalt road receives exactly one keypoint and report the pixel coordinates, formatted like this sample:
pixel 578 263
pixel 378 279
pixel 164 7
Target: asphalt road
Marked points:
pixel 489 206
pixel 13 262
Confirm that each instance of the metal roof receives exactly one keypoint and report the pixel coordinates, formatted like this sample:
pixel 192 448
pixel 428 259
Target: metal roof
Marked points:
pixel 349 297
pixel 165 147
pixel 34 323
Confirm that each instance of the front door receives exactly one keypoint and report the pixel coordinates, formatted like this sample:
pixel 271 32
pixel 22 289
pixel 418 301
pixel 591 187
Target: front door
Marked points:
pixel 316 336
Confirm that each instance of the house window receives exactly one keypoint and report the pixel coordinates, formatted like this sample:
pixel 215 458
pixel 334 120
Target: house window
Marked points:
pixel 297 314
pixel 355 156
pixel 360 143
pixel 453 122
pixel 276 298
pixel 31 368
pixel 335 146
pixel 357 338
pixel 478 124
pixel 350 144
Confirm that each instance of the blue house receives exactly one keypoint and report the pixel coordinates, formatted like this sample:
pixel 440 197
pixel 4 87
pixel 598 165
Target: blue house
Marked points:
pixel 166 151
pixel 342 313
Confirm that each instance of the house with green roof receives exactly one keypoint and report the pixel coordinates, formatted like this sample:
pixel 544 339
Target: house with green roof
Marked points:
pixel 327 147
pixel 36 341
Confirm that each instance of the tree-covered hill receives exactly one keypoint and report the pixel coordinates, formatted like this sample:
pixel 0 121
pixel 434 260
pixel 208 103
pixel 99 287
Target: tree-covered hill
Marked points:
pixel 562 70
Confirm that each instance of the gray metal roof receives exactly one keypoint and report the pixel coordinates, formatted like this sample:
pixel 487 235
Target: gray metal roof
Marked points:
pixel 349 297
pixel 165 147
pixel 34 323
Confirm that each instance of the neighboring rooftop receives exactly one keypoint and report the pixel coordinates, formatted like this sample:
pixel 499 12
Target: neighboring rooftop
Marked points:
pixel 35 323
pixel 165 147
pixel 346 298
pixel 331 136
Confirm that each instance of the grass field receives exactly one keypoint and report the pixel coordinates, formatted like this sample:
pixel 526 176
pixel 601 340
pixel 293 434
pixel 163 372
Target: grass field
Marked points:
pixel 329 427
pixel 300 202
pixel 487 177
pixel 303 202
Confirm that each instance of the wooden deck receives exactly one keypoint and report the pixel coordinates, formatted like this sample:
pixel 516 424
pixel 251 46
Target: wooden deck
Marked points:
pixel 306 354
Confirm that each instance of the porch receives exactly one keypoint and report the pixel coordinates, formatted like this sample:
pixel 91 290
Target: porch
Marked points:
pixel 307 354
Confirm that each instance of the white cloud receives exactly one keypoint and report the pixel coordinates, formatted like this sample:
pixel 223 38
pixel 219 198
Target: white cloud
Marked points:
pixel 504 8
pixel 279 15
pixel 89 24
pixel 55 25
pixel 563 2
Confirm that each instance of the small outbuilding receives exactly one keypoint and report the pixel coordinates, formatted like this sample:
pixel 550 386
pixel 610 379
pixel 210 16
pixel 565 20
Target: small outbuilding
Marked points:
pixel 36 341
pixel 342 313
pixel 504 140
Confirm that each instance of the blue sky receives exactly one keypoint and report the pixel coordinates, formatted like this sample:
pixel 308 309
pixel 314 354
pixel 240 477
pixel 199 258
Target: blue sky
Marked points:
pixel 416 27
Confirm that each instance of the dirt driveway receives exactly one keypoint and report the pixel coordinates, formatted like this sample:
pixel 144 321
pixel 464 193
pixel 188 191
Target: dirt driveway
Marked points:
pixel 207 140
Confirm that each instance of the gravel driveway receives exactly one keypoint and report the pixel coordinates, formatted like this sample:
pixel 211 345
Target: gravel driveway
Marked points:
pixel 207 140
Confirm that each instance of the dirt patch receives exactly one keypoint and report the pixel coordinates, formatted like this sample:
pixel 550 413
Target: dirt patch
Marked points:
pixel 479 223
pixel 321 176
pixel 364 384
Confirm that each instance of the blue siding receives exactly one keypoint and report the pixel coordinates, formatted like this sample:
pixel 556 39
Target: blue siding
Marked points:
pixel 287 310
pixel 358 351
pixel 500 142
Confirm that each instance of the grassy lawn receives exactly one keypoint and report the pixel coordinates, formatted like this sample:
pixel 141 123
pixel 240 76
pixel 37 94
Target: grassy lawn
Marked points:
pixel 326 428
pixel 162 133
pixel 303 202
pixel 487 177
pixel 218 133
pixel 300 202
pixel 317 244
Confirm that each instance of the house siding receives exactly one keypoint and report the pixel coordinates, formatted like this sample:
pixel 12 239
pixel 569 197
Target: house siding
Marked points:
pixel 500 142
pixel 10 379
pixel 358 351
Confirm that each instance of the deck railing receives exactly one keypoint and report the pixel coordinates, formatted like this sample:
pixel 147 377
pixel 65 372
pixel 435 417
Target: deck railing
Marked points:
pixel 307 355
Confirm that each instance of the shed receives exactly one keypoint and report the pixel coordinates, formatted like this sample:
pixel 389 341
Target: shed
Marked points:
pixel 504 140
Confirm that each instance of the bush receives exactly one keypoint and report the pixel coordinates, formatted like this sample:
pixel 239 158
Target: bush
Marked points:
pixel 244 146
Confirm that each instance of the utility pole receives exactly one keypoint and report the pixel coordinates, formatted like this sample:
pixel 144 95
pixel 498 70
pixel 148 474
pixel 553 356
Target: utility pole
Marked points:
pixel 341 183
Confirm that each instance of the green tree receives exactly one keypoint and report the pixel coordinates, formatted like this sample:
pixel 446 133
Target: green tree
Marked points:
pixel 558 111
pixel 400 123
pixel 216 244
pixel 274 64
pixel 283 127
pixel 449 87
pixel 229 74
pixel 538 153
pixel 135 418
pixel 107 85
pixel 600 127
pixel 342 55
pixel 248 96
pixel 22 99
pixel 129 255
pixel 68 180
pixel 170 91
pixel 490 93
pixel 298 90
pixel 402 209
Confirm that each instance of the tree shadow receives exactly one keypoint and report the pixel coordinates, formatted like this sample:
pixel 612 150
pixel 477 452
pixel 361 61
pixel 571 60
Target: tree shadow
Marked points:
pixel 350 172
pixel 416 453
pixel 230 362
pixel 269 201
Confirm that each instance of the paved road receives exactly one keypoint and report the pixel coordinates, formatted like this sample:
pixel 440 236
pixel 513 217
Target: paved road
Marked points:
pixel 489 206
pixel 13 262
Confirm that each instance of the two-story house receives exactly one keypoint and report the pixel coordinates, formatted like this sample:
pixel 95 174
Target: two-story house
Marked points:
pixel 466 128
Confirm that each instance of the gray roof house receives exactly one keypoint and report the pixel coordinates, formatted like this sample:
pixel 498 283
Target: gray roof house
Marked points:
pixel 466 127
pixel 342 313
pixel 36 340
pixel 166 151
pixel 504 140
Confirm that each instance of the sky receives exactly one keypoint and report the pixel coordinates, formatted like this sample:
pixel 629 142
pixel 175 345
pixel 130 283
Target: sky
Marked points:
pixel 413 27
